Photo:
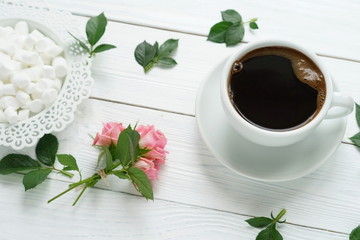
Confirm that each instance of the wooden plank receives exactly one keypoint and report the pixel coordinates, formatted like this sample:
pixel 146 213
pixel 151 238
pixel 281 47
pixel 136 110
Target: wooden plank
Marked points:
pixel 326 199
pixel 119 78
pixel 329 27
pixel 105 214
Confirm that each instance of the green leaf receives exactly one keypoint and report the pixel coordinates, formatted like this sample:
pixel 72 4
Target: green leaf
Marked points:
pixel 270 233
pixel 121 175
pixel 253 25
pixel 167 48
pixel 95 28
pixel 357 113
pixel 355 234
pixel 167 61
pixel 141 182
pixel 231 15
pixel 17 162
pixel 218 31
pixel 34 178
pixel 234 34
pixel 144 54
pixel 259 222
pixel 103 48
pixel 156 46
pixel 108 159
pixel 82 44
pixel 46 149
pixel 68 161
pixel 127 149
pixel 356 139
pixel 253 19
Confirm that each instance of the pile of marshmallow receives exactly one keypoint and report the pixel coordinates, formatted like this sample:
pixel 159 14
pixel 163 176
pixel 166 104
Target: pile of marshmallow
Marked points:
pixel 31 72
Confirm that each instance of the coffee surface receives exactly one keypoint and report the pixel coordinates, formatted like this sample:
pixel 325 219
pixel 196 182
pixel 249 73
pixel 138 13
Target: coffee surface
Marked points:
pixel 277 88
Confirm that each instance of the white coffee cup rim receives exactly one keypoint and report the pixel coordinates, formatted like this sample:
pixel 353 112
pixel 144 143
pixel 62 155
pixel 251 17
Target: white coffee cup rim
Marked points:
pixel 276 43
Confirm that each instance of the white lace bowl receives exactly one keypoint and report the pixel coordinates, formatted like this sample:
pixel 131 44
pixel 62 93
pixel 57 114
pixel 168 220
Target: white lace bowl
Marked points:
pixel 75 88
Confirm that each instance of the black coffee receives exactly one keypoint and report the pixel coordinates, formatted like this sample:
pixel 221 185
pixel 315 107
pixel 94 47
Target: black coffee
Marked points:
pixel 277 88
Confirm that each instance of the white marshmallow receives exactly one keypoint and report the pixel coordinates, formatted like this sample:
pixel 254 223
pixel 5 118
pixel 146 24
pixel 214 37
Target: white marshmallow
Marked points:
pixel 30 58
pixel 53 51
pixel 8 48
pixel 34 73
pixel 21 28
pixel 4 57
pixel 2 117
pixel 48 72
pixel 43 44
pixel 23 98
pixel 37 35
pixel 6 70
pixel 36 106
pixel 49 96
pixel 10 101
pixel 21 79
pixel 57 84
pixel 23 114
pixel 60 66
pixel 29 42
pixel 11 115
pixel 45 59
pixel 9 89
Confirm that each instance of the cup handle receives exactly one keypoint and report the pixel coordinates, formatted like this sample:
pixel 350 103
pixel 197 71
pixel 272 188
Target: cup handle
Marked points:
pixel 344 102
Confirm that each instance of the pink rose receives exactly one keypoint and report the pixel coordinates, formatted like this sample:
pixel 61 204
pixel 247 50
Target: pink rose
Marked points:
pixel 110 133
pixel 148 166
pixel 155 140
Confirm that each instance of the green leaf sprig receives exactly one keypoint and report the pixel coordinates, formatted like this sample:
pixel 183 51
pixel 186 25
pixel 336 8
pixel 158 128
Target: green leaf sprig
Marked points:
pixel 147 55
pixel 95 29
pixel 355 234
pixel 270 232
pixel 38 169
pixel 231 29
pixel 119 161
pixel 356 138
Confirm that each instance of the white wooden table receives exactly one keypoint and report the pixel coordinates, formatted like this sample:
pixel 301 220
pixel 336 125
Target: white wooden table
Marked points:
pixel 196 196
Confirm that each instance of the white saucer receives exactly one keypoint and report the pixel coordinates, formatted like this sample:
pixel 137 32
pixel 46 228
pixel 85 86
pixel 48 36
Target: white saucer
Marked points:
pixel 258 162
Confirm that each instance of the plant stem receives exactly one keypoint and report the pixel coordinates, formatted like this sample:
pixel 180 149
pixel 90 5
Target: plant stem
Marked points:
pixel 70 175
pixel 148 67
pixel 81 193
pixel 59 195
pixel 95 176
pixel 280 215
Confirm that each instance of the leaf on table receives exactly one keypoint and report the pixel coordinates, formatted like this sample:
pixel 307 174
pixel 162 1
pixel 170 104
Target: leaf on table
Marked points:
pixel 269 233
pixel 46 149
pixel 34 178
pixel 103 48
pixel 68 161
pixel 167 48
pixel 156 47
pixel 141 182
pixel 231 15
pixel 356 139
pixel 259 222
pixel 167 61
pixel 95 28
pixel 17 162
pixel 218 31
pixel 234 34
pixel 144 54
pixel 253 25
pixel 355 234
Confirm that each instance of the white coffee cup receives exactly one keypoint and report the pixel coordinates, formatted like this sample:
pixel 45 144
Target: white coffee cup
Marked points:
pixel 344 104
